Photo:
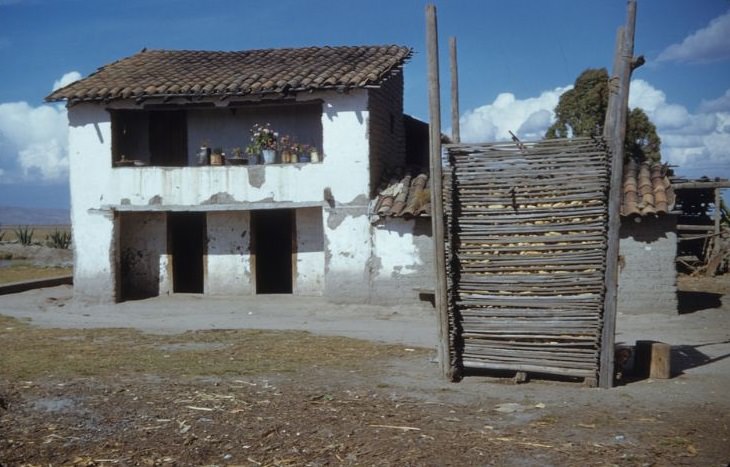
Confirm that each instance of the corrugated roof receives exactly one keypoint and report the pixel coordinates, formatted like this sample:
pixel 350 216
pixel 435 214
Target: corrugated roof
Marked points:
pixel 196 73
pixel 406 196
pixel 646 190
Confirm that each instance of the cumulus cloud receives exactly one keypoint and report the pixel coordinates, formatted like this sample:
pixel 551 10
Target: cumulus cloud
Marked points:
pixel 66 79
pixel 528 118
pixel 708 44
pixel 696 141
pixel 34 140
pixel 699 143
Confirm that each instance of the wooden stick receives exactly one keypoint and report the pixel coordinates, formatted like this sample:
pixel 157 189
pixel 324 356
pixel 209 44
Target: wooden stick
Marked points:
pixel 437 209
pixel 455 131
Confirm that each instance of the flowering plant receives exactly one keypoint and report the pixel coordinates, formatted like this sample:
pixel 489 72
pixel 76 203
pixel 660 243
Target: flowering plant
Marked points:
pixel 262 137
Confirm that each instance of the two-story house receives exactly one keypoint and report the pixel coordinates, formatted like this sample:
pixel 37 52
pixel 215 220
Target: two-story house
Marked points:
pixel 150 216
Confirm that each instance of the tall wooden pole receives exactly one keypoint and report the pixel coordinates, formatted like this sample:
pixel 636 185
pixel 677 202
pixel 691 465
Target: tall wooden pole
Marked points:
pixel 437 207
pixel 615 132
pixel 455 131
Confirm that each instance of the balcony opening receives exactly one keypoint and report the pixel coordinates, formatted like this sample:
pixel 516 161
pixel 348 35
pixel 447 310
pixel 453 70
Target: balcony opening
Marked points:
pixel 186 233
pixel 168 138
pixel 273 240
pixel 141 137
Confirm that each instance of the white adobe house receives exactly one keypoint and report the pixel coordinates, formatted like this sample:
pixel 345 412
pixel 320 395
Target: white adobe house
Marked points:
pixel 148 219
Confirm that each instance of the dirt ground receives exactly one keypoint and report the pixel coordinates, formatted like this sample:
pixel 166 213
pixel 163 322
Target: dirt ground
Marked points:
pixel 217 382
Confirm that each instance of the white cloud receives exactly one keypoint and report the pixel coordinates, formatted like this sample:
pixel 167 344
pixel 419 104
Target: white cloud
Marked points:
pixel 720 104
pixel 527 118
pixel 708 44
pixel 66 79
pixel 33 141
pixel 699 143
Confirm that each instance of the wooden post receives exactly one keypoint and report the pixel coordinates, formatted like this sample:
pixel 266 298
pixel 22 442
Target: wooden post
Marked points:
pixel 718 217
pixel 653 360
pixel 615 133
pixel 613 86
pixel 437 208
pixel 455 131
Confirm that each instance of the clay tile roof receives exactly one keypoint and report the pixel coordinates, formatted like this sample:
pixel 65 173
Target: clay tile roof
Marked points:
pixel 197 73
pixel 405 196
pixel 646 190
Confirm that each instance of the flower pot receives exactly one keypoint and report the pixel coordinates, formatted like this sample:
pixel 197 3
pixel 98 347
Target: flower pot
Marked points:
pixel 304 158
pixel 237 161
pixel 287 157
pixel 269 156
pixel 217 159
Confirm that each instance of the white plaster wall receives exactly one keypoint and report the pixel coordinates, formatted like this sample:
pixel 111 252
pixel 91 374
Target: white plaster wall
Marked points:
pixel 402 259
pixel 348 253
pixel 228 261
pixel 396 249
pixel 309 266
pixel 93 231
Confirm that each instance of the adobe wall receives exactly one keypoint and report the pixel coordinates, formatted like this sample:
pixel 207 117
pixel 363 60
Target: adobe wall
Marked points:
pixel 387 132
pixel 648 275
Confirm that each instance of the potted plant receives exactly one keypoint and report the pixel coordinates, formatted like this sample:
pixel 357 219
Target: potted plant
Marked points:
pixel 314 154
pixel 285 149
pixel 303 153
pixel 263 142
pixel 217 157
pixel 204 153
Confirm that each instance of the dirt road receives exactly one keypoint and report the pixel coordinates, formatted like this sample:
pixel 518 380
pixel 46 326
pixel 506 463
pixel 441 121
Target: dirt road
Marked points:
pixel 215 397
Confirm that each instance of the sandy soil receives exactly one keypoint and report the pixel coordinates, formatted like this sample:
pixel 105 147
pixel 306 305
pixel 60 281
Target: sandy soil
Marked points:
pixel 386 412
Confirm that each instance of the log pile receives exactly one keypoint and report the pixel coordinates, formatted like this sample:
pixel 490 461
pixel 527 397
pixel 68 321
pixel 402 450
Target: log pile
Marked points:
pixel 526 254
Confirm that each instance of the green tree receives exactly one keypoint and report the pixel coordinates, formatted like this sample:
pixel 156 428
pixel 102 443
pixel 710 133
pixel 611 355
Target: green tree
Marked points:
pixel 582 112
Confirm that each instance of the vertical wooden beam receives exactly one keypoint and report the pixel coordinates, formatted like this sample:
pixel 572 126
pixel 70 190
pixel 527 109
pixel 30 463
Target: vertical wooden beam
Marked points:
pixel 437 208
pixel 615 132
pixel 613 83
pixel 718 217
pixel 455 131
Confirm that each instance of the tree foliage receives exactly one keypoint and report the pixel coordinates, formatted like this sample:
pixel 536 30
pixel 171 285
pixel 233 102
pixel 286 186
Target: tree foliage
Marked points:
pixel 581 111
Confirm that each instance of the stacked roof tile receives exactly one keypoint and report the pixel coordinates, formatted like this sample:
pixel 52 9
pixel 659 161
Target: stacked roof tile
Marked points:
pixel 646 190
pixel 194 73
pixel 407 196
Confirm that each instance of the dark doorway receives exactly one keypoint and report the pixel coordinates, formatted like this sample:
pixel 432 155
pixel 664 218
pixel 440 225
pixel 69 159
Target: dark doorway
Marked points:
pixel 273 232
pixel 186 240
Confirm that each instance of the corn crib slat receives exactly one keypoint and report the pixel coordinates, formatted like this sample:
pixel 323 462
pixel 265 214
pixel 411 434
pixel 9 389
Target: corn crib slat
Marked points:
pixel 526 253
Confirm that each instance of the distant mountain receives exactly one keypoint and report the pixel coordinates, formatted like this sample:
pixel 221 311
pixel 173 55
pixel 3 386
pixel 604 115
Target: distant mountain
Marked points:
pixel 11 215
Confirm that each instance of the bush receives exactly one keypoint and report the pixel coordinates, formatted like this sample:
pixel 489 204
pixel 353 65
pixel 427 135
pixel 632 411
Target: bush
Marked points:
pixel 24 234
pixel 59 239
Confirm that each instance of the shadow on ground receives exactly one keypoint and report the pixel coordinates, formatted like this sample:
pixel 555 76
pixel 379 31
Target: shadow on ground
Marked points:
pixel 690 302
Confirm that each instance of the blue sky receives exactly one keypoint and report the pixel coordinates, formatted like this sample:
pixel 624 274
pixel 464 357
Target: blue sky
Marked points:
pixel 515 58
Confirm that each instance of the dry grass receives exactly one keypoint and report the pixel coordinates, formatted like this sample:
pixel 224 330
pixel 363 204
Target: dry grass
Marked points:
pixel 31 352
pixel 25 272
